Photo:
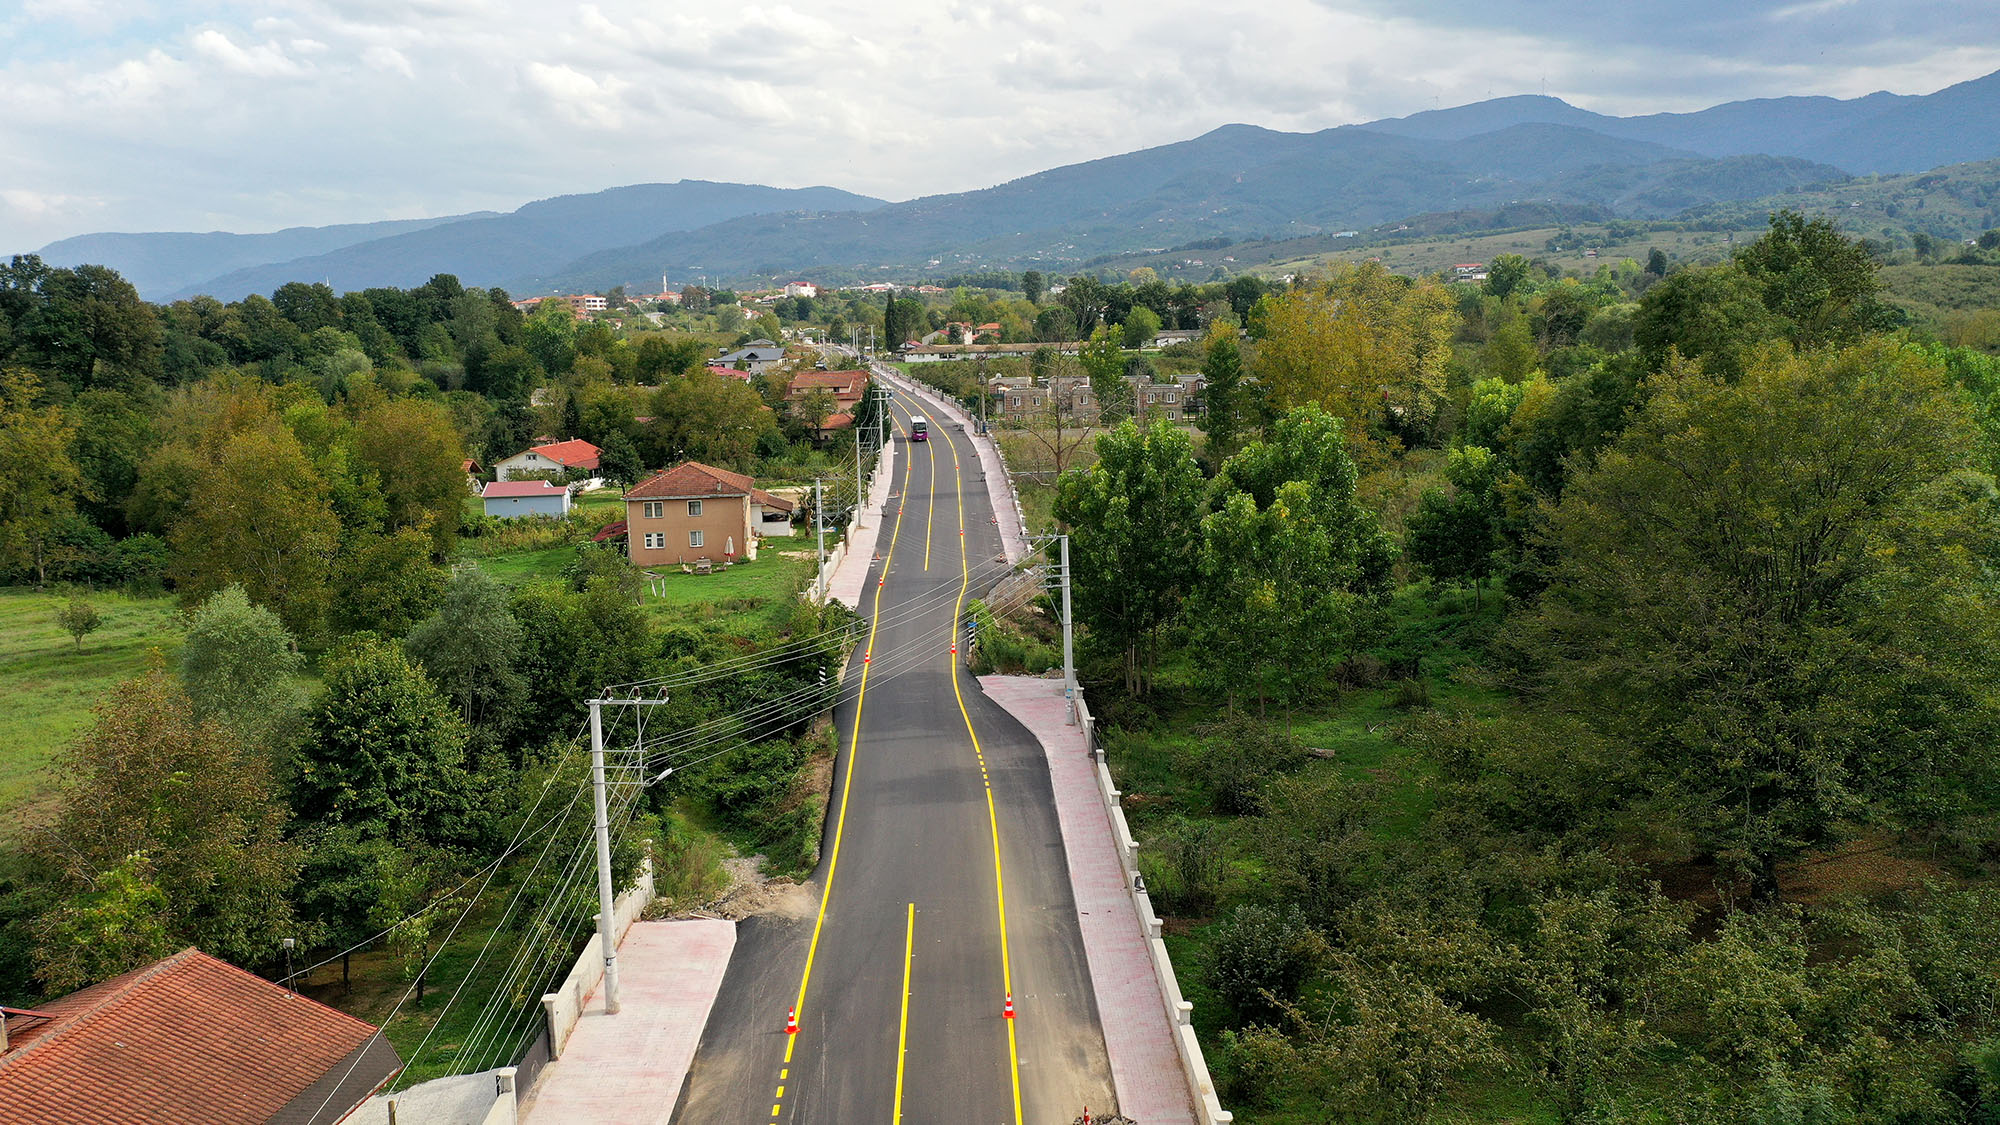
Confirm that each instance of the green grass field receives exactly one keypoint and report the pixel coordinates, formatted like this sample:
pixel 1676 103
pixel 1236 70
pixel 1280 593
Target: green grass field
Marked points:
pixel 49 686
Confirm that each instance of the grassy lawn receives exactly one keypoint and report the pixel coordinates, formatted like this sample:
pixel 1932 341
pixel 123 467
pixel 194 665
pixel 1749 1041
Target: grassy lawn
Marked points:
pixel 528 566
pixel 50 686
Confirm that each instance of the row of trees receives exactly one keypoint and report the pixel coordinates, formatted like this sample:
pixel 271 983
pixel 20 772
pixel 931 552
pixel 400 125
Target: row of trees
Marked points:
pixel 1744 532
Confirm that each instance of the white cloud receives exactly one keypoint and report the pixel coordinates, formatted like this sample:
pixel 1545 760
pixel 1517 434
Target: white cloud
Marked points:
pixel 255 114
pixel 259 60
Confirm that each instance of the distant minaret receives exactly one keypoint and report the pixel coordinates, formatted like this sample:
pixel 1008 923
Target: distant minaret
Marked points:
pixel 663 283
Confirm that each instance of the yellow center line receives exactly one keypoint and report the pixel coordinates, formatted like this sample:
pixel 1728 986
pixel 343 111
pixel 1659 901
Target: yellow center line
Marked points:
pixel 903 1032
pixel 992 816
pixel 931 515
pixel 847 785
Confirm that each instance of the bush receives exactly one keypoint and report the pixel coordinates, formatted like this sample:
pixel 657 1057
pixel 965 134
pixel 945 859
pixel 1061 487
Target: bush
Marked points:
pixel 142 562
pixel 1186 875
pixel 1261 958
pixel 1236 758
pixel 1412 692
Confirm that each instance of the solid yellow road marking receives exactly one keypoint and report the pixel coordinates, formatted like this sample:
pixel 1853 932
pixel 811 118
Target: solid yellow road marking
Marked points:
pixel 932 514
pixel 903 1031
pixel 847 785
pixel 992 816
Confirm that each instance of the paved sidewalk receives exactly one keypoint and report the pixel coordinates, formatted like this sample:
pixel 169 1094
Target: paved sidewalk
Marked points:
pixel 1145 1066
pixel 845 584
pixel 627 1069
pixel 999 486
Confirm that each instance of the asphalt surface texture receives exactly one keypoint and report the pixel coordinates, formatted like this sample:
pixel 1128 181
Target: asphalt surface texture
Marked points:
pixel 941 824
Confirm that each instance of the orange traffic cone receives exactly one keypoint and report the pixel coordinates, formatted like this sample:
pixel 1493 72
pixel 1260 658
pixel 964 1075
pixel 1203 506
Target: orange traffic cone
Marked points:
pixel 792 1021
pixel 1008 1013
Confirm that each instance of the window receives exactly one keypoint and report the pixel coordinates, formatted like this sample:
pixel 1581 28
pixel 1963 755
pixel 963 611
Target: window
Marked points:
pixel 1171 396
pixel 654 509
pixel 656 541
pixel 694 509
pixel 694 538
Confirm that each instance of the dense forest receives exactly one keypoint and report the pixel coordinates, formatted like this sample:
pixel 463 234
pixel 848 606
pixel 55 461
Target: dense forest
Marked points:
pixel 1568 698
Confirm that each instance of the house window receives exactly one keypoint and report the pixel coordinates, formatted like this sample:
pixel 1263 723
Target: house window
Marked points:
pixel 654 509
pixel 1170 396
pixel 694 538
pixel 694 509
pixel 656 541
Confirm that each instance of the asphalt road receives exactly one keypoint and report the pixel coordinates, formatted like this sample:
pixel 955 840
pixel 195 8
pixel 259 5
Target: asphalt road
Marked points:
pixel 941 824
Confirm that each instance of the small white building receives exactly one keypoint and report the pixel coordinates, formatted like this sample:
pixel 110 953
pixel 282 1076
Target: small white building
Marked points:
pixel 801 289
pixel 555 456
pixel 506 499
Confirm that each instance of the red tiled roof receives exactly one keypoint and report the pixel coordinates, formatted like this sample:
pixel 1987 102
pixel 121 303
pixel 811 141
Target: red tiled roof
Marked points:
pixel 610 531
pixel 503 489
pixel 692 479
pixel 844 384
pixel 775 503
pixel 731 372
pixel 839 421
pixel 190 1038
pixel 572 454
pixel 470 465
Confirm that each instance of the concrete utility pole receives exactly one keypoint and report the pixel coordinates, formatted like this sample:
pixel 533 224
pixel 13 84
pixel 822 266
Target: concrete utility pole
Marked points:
pixel 1069 635
pixel 819 532
pixel 607 922
pixel 859 497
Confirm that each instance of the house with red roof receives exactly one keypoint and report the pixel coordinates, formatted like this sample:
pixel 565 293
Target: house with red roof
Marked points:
pixel 691 512
pixel 188 1039
pixel 558 456
pixel 507 499
pixel 848 388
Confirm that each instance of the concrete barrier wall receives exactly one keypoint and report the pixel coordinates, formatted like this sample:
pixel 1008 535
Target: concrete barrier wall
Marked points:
pixel 504 1111
pixel 1180 1013
pixel 563 1007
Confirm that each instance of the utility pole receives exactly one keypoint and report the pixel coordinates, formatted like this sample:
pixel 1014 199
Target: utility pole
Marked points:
pixel 882 418
pixel 1069 635
pixel 984 393
pixel 819 532
pixel 607 922
pixel 858 497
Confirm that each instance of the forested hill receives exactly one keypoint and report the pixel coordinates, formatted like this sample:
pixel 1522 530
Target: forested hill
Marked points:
pixel 166 262
pixel 480 248
pixel 1235 181
pixel 1879 133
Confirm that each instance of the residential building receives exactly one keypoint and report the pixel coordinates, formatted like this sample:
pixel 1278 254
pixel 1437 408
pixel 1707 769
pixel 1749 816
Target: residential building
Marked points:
pixel 192 1039
pixel 801 289
pixel 558 456
pixel 756 357
pixel 848 388
pixel 694 511
pixel 506 499
pixel 931 353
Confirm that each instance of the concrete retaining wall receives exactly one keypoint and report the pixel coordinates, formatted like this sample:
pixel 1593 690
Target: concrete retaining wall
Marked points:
pixel 1179 1012
pixel 565 1005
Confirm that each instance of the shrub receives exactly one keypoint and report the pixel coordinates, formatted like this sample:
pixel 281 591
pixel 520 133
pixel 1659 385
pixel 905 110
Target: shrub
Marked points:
pixel 1236 758
pixel 1260 959
pixel 1187 873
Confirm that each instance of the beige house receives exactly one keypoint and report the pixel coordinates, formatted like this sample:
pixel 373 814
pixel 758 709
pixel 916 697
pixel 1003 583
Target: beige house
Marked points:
pixel 695 511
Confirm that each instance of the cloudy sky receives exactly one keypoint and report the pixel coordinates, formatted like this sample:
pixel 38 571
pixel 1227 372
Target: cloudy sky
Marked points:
pixel 218 115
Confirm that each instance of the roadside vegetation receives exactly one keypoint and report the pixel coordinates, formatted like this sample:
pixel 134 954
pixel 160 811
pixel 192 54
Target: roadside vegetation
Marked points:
pixel 1567 699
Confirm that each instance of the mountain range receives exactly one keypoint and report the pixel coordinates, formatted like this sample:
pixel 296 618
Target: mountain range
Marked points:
pixel 1238 181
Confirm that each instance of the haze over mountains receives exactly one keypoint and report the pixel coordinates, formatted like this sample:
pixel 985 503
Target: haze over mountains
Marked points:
pixel 1237 181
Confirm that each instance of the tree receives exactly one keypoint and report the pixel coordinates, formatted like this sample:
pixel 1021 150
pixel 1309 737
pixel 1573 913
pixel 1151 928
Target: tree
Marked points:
pixel 572 645
pixel 1505 275
pixel 1134 518
pixel 238 665
pixel 1291 566
pixel 1716 315
pixel 88 328
pixel 1223 408
pixel 384 752
pixel 1771 589
pixel 1360 344
pixel 1453 534
pixel 1104 363
pixel 709 418
pixel 1033 286
pixel 110 436
pixel 259 516
pixel 1141 325
pixel 468 648
pixel 386 583
pixel 415 450
pixel 1656 262
pixel 618 459
pixel 39 483
pixel 1816 278
pixel 165 820
pixel 1055 325
pixel 78 618
pixel 550 337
